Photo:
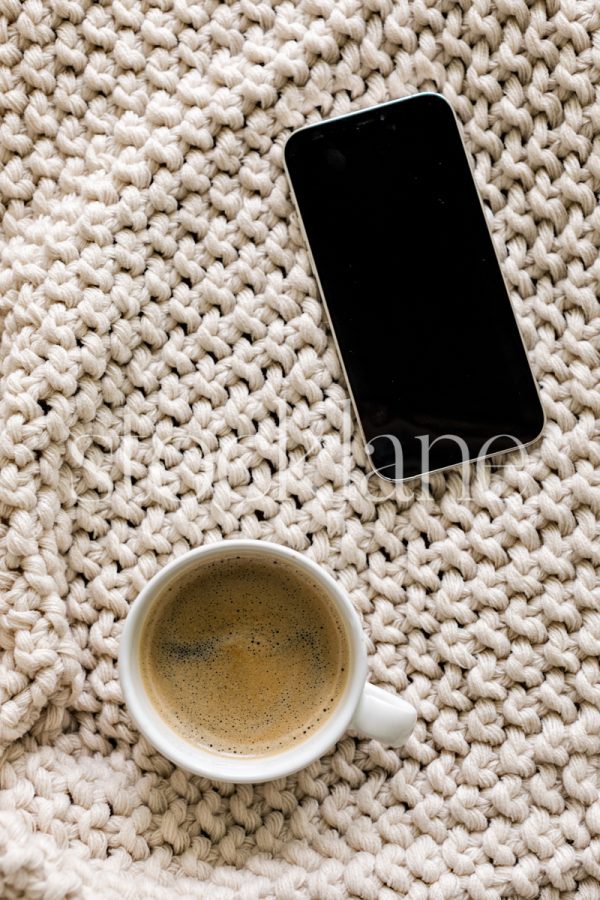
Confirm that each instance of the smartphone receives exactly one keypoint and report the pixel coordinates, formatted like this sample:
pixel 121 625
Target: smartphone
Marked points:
pixel 396 231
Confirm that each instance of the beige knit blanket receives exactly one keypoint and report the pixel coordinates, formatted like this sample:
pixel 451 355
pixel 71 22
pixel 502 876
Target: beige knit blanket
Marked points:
pixel 167 379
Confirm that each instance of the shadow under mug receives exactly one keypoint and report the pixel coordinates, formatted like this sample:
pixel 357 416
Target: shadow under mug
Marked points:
pixel 361 706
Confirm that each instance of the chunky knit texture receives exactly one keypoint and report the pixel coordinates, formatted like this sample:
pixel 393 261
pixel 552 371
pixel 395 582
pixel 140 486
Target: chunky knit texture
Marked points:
pixel 159 322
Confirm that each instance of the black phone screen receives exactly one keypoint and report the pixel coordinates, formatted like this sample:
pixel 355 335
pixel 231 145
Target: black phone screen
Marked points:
pixel 413 288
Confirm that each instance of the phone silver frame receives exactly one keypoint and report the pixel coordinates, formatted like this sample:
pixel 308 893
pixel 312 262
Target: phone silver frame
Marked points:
pixel 522 446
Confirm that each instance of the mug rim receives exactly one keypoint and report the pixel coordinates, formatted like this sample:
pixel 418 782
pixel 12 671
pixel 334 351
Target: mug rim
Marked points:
pixel 220 766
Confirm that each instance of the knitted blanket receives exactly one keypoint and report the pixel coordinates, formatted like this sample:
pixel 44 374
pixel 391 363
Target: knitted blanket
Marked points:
pixel 167 379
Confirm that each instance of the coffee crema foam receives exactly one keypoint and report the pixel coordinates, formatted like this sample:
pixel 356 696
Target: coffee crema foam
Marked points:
pixel 244 656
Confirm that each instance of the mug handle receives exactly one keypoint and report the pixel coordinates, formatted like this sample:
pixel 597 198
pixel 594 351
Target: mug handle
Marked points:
pixel 384 716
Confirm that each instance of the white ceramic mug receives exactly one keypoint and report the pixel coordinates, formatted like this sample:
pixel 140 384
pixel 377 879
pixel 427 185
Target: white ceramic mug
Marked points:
pixel 361 706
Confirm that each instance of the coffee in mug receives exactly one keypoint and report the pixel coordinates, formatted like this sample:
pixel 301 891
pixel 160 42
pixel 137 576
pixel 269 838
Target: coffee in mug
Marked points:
pixel 245 661
pixel 244 656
